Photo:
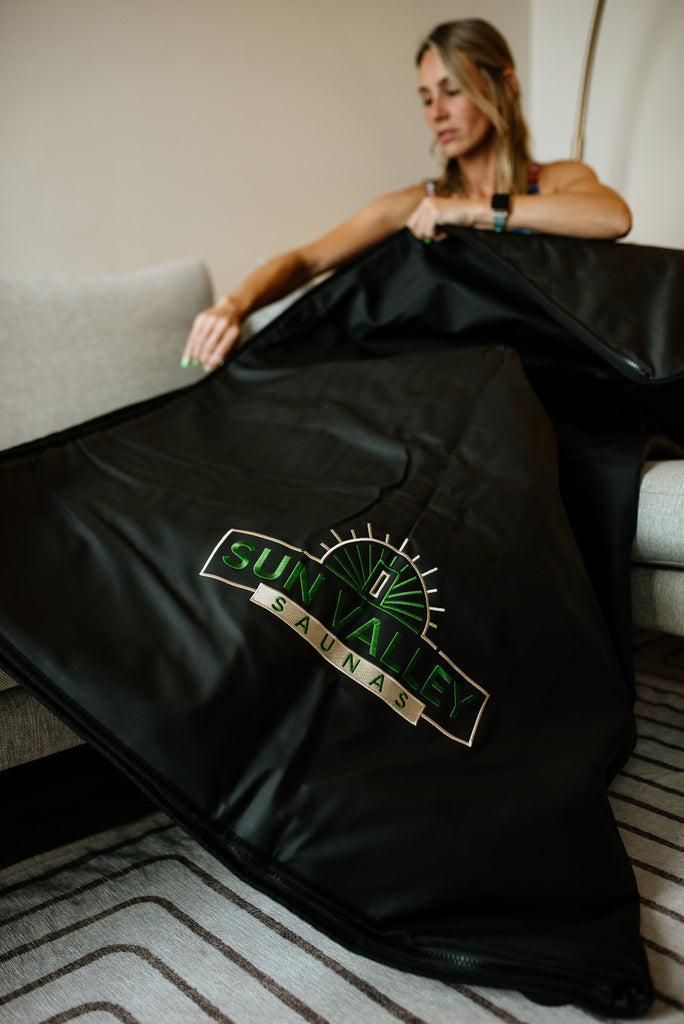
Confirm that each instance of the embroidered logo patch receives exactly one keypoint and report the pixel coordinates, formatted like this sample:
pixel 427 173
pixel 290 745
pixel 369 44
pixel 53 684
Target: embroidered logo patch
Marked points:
pixel 365 607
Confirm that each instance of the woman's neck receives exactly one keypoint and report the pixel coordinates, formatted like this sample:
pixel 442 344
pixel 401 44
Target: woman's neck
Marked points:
pixel 478 172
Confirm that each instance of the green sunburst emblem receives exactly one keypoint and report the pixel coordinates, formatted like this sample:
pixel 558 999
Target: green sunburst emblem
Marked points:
pixel 384 576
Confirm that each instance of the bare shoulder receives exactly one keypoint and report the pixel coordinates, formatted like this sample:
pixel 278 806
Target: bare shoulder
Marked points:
pixel 567 175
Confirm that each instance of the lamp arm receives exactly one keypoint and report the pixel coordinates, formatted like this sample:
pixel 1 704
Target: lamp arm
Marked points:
pixel 578 138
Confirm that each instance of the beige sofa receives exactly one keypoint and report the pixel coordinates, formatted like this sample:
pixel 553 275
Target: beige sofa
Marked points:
pixel 72 348
pixel 76 347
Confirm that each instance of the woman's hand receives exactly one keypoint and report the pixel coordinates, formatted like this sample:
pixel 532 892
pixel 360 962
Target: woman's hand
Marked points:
pixel 433 211
pixel 213 334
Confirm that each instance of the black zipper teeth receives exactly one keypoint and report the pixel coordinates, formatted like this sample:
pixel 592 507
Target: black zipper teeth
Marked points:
pixel 606 351
pixel 639 367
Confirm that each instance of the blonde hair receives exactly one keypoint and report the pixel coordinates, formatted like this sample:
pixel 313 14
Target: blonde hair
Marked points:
pixel 500 103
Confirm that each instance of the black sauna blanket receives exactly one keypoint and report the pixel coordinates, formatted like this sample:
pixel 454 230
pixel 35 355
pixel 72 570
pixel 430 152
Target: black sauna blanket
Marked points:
pixel 354 609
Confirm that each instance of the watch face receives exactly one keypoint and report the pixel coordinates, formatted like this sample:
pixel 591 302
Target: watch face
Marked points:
pixel 501 201
pixel 500 220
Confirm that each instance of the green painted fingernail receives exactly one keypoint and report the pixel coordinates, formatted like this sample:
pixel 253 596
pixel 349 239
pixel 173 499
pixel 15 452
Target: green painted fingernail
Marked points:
pixel 185 362
pixel 195 362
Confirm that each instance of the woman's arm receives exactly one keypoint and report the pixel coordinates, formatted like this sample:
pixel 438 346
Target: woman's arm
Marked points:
pixel 216 330
pixel 571 201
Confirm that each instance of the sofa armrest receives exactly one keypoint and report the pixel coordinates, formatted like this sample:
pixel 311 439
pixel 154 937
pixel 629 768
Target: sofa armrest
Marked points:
pixel 658 550
pixel 659 538
pixel 76 347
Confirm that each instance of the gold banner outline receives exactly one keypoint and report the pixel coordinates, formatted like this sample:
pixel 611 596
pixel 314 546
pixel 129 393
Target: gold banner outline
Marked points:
pixel 342 668
pixel 339 655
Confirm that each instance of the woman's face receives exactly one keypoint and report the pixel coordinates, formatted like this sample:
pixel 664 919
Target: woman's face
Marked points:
pixel 459 125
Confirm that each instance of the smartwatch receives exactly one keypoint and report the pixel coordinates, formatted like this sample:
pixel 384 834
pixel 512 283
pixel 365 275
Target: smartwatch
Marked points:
pixel 501 204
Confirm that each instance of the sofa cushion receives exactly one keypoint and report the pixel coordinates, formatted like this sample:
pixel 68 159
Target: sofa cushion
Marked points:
pixel 29 730
pixel 6 682
pixel 659 536
pixel 658 599
pixel 76 347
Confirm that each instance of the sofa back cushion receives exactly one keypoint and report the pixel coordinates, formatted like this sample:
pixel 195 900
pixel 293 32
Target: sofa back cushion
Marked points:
pixel 75 347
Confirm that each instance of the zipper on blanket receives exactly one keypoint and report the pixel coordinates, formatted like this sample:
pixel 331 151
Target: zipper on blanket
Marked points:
pixel 634 364
pixel 549 983
pixel 613 355
pixel 553 986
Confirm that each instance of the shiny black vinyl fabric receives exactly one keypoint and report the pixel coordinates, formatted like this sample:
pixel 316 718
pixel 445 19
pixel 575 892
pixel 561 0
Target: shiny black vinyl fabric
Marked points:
pixel 353 608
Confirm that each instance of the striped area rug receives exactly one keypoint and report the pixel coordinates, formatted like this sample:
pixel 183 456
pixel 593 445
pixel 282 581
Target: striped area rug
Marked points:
pixel 141 926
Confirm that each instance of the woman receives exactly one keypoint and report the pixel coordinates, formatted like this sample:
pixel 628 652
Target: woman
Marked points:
pixel 470 94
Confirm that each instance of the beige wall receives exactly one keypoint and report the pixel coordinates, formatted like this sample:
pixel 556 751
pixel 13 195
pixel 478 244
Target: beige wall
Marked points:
pixel 634 136
pixel 137 131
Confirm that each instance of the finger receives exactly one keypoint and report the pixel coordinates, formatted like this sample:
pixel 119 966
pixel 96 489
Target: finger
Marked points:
pixel 424 229
pixel 216 329
pixel 420 224
pixel 201 327
pixel 221 350
pixel 189 349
